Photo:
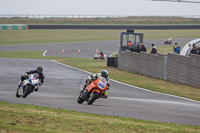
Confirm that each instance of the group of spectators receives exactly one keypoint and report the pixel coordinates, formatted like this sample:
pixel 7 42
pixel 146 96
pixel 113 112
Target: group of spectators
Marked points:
pixel 176 49
pixel 193 49
pixel 142 48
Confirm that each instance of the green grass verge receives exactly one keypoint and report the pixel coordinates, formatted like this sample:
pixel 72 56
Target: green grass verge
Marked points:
pixel 152 20
pixel 17 118
pixel 64 36
pixel 96 66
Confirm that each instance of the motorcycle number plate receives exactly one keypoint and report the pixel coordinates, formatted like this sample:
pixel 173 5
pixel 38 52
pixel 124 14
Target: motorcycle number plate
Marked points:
pixel 101 85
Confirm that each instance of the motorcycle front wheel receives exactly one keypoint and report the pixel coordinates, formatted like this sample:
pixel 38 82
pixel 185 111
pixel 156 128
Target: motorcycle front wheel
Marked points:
pixel 27 91
pixel 80 99
pixel 93 98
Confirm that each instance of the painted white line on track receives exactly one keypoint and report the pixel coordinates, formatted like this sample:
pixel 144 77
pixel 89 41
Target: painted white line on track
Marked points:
pixel 153 91
pixel 153 101
pixel 128 84
pixel 45 52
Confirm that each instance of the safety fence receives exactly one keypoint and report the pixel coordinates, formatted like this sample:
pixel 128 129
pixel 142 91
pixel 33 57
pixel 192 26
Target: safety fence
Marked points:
pixel 82 16
pixel 172 67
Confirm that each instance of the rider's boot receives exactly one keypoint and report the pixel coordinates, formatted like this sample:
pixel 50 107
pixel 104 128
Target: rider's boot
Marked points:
pixel 36 89
pixel 19 84
pixel 104 95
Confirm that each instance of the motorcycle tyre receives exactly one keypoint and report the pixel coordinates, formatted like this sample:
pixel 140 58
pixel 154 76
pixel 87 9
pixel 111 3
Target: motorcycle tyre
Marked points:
pixel 93 98
pixel 17 93
pixel 80 100
pixel 28 90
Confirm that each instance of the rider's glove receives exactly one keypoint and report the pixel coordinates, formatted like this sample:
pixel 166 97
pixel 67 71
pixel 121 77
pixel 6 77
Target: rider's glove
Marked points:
pixel 94 77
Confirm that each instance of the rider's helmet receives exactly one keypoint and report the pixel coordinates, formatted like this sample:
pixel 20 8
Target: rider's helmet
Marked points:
pixel 39 69
pixel 104 73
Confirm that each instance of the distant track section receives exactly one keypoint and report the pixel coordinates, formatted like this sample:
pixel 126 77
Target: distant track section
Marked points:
pixel 145 27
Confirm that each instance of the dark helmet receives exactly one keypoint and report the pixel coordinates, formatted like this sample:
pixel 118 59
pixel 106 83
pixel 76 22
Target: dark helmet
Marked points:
pixel 104 73
pixel 39 69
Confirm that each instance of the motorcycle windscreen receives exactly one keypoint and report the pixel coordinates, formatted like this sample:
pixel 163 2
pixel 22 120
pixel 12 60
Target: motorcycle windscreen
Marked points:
pixel 102 84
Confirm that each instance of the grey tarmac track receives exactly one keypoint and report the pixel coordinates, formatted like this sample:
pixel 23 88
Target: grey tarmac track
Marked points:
pixel 62 83
pixel 61 89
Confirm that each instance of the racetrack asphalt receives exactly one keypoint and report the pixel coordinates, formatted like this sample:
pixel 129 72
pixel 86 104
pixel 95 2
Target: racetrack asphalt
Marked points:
pixel 61 89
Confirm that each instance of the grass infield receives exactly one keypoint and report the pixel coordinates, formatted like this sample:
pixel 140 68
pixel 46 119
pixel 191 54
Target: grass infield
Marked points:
pixel 13 37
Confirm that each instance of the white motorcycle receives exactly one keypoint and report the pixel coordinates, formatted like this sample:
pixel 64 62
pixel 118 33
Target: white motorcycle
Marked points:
pixel 98 56
pixel 28 86
pixel 168 41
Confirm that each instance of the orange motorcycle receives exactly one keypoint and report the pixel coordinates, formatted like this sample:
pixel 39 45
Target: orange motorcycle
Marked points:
pixel 93 91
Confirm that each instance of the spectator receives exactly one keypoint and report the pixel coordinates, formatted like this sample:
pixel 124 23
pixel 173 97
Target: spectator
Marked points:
pixel 137 48
pixel 189 50
pixel 130 44
pixel 142 48
pixel 194 49
pixel 102 55
pixel 177 48
pixel 153 49
pixel 198 52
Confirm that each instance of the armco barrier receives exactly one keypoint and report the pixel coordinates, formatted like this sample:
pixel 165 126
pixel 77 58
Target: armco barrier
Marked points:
pixel 13 27
pixel 151 27
pixel 172 67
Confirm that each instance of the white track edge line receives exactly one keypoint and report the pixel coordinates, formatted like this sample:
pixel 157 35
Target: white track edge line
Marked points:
pixel 44 54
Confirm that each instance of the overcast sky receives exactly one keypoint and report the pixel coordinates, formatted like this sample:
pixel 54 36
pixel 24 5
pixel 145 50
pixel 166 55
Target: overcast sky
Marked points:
pixel 100 7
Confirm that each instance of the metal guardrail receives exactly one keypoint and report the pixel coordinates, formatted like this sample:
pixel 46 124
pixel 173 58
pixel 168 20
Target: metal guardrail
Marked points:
pixel 81 16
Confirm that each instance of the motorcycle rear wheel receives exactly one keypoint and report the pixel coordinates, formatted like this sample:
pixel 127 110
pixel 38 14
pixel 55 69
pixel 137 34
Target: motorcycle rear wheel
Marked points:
pixel 93 98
